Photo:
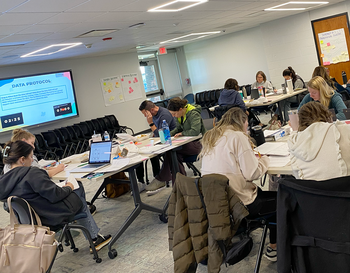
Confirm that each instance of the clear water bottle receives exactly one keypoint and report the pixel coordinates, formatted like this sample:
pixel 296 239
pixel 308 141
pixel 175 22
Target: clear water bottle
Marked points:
pixel 166 132
pixel 106 136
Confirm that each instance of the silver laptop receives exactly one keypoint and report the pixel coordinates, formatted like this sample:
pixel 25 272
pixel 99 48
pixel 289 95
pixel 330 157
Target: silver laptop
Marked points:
pixel 100 156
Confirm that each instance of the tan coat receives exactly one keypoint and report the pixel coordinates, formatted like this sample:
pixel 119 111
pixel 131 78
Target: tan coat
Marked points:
pixel 192 235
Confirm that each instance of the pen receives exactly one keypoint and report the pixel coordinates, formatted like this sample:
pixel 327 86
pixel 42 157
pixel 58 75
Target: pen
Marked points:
pixel 82 164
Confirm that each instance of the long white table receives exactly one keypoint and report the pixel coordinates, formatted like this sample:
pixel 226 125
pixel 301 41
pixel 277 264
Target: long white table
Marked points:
pixel 139 205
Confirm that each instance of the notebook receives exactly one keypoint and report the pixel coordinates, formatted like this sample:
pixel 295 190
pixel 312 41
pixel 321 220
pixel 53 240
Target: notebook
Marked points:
pixel 99 156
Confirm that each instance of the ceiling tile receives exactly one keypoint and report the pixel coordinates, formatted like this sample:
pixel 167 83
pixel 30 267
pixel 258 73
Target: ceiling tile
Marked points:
pixel 7 5
pixel 48 6
pixel 100 5
pixel 75 17
pixel 22 18
pixel 42 28
pixel 7 30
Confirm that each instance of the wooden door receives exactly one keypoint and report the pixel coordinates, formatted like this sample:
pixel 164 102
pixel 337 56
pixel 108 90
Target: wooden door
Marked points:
pixel 327 24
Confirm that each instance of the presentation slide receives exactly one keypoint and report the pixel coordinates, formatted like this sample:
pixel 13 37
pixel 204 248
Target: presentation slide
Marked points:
pixel 31 100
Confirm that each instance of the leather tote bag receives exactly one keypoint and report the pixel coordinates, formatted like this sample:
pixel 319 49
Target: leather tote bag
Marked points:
pixel 26 248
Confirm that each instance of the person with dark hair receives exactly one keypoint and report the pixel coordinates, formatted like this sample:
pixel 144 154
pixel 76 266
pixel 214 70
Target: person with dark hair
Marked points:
pixel 154 115
pixel 320 91
pixel 230 95
pixel 53 204
pixel 188 123
pixel 260 78
pixel 319 150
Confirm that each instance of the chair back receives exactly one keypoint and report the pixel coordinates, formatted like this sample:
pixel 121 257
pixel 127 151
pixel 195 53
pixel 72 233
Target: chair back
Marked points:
pixel 42 144
pixel 190 98
pixel 51 139
pixel 72 133
pixel 313 225
pixel 21 210
pixel 97 125
pixel 221 110
pixel 65 134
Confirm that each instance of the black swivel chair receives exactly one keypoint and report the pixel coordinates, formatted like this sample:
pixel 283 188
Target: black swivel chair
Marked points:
pixel 54 143
pixel 71 138
pixel 118 128
pixel 23 215
pixel 42 150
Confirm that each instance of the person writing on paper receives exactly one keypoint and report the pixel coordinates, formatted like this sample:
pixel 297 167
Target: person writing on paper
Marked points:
pixel 228 150
pixel 154 115
pixel 319 150
pixel 53 204
pixel 188 123
pixel 230 95
pixel 261 81
pixel 320 91
pixel 20 134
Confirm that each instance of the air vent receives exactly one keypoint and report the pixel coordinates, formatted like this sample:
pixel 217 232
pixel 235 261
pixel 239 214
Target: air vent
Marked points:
pixel 97 33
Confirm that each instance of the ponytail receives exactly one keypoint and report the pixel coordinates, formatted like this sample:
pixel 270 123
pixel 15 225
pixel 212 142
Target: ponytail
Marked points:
pixel 290 72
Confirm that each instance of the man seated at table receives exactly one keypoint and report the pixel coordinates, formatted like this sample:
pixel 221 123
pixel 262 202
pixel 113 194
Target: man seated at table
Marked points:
pixel 155 116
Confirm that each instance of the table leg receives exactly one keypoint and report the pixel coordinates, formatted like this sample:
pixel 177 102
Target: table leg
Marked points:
pixel 280 111
pixel 139 206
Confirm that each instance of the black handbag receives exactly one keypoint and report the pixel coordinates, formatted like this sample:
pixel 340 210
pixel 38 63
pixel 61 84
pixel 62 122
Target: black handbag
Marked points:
pixel 232 253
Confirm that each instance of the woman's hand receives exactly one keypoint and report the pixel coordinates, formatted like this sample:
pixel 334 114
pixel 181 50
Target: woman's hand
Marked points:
pixel 178 135
pixel 275 90
pixel 69 184
pixel 59 168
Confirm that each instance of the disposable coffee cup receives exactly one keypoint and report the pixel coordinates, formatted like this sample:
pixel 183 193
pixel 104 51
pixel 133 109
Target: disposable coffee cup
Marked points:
pixel 294 119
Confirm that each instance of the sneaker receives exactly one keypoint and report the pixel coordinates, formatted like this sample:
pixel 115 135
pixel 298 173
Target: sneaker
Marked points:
pixel 155 186
pixel 101 241
pixel 92 209
pixel 271 254
pixel 141 186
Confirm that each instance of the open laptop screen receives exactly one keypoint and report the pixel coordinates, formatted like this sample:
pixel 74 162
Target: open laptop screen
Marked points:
pixel 100 152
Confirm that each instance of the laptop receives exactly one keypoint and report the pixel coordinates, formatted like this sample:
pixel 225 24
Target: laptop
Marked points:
pixel 99 156
pixel 254 94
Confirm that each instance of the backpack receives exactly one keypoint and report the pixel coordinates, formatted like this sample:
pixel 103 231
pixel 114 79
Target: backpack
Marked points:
pixel 113 189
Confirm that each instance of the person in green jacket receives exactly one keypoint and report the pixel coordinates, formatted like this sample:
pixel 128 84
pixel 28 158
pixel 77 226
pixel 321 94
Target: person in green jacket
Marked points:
pixel 188 123
pixel 320 91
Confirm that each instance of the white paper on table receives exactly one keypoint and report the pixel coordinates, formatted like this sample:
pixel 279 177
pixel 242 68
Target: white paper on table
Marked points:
pixel 274 148
pixel 278 161
pixel 152 149
pixel 44 163
pixel 70 179
pixel 116 165
pixel 138 158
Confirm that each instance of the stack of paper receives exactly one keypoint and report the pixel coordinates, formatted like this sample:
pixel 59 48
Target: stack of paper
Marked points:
pixel 278 153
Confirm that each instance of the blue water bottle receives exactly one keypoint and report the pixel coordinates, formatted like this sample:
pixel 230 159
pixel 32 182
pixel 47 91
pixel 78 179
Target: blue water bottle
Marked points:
pixel 166 132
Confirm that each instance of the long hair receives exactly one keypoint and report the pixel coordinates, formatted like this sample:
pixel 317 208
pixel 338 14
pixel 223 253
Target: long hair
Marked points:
pixel 13 151
pixel 322 72
pixel 233 119
pixel 231 84
pixel 19 134
pixel 290 72
pixel 312 112
pixel 326 92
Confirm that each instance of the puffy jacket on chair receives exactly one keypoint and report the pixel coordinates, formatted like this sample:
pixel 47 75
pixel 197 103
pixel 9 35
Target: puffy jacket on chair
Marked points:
pixel 193 235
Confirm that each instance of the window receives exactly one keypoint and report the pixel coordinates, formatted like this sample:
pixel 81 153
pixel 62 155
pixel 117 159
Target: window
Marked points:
pixel 149 78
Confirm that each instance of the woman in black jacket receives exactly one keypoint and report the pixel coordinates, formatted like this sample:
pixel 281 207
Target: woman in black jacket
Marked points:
pixel 54 205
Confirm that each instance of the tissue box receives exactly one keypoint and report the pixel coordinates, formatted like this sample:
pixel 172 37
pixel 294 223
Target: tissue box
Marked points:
pixel 279 134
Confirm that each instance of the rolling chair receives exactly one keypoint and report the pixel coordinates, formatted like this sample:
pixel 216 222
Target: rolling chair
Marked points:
pixel 22 213
pixel 42 150
pixel 189 98
pixel 54 144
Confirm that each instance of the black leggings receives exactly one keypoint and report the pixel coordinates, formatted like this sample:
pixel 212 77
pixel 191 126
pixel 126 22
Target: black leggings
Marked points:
pixel 265 202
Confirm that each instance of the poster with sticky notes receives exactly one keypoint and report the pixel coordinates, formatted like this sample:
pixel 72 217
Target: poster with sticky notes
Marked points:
pixel 333 46
pixel 131 86
pixel 112 90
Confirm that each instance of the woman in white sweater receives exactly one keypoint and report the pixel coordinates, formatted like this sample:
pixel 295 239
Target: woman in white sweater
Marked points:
pixel 228 150
pixel 320 149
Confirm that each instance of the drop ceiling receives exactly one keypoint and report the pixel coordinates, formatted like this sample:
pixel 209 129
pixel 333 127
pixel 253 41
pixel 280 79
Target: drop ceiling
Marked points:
pixel 35 24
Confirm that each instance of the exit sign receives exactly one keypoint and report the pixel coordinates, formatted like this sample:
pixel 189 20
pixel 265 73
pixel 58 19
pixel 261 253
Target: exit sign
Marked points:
pixel 162 50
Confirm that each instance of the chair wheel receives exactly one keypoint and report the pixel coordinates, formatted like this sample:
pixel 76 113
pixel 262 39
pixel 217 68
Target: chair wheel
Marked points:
pixel 112 254
pixel 98 260
pixel 75 249
pixel 60 248
pixel 66 243
pixel 163 217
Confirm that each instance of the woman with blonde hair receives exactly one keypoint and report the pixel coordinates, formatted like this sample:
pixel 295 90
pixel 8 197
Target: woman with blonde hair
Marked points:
pixel 319 149
pixel 320 91
pixel 23 135
pixel 228 150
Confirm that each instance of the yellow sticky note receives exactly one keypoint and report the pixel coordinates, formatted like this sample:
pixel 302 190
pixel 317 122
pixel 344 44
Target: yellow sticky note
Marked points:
pixel 333 46
pixel 121 97
pixel 325 59
pixel 322 55
pixel 111 98
pixel 321 42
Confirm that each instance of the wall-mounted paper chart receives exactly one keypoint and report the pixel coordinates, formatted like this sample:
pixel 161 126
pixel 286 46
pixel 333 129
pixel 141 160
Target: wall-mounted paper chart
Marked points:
pixel 131 86
pixel 333 47
pixel 112 90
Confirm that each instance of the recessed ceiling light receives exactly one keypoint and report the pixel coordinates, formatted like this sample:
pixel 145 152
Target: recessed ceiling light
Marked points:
pixel 52 49
pixel 177 5
pixel 296 5
pixel 190 37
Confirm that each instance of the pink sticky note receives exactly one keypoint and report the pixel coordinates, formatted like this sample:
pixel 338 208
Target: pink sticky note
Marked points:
pixel 129 82
pixel 122 80
pixel 326 63
pixel 135 80
pixel 328 44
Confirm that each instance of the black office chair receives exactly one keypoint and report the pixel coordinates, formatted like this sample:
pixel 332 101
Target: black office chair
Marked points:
pixel 54 143
pixel 97 126
pixel 68 147
pixel 70 137
pixel 78 134
pixel 42 150
pixel 87 131
pixel 118 128
pixel 189 161
pixel 23 215
pixel 221 110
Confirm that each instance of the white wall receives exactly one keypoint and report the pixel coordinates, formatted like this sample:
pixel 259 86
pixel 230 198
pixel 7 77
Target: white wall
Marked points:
pixel 87 73
pixel 181 58
pixel 270 47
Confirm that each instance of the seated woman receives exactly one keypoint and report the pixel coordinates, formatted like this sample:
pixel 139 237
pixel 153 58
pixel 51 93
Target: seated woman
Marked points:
pixel 230 95
pixel 320 91
pixel 52 203
pixel 228 150
pixel 188 123
pixel 261 81
pixel 323 73
pixel 298 83
pixel 319 150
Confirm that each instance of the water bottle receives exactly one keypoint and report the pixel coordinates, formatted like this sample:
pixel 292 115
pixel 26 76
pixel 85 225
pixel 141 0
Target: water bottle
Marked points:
pixel 244 92
pixel 166 132
pixel 343 75
pixel 106 136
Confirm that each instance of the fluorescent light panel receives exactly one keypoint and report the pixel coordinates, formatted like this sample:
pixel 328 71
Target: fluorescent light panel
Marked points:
pixel 188 36
pixel 310 5
pixel 191 4
pixel 61 47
